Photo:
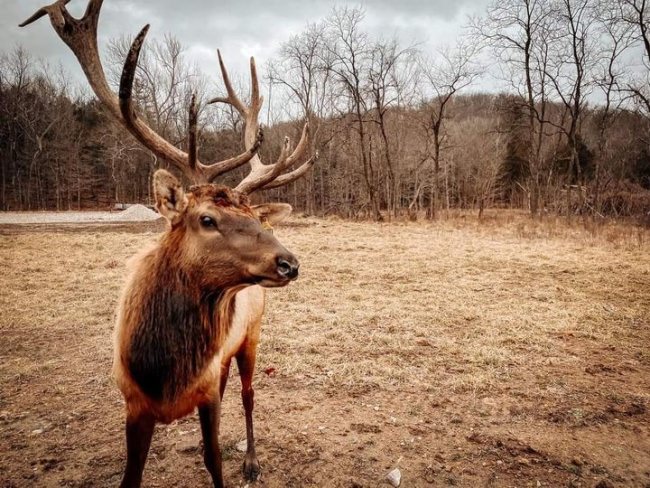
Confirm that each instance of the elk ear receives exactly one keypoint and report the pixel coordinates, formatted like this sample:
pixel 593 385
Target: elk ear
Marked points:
pixel 272 213
pixel 171 201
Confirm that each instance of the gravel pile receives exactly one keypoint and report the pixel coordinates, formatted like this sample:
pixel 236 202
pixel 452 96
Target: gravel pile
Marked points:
pixel 135 213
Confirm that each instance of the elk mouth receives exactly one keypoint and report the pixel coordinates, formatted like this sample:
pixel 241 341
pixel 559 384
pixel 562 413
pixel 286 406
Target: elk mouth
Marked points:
pixel 267 282
pixel 276 281
pixel 286 271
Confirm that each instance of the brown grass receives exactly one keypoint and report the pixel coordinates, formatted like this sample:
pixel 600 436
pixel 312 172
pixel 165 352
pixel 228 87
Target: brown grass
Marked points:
pixel 501 352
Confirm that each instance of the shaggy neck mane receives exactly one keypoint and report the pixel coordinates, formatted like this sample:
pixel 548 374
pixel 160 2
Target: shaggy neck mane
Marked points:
pixel 180 326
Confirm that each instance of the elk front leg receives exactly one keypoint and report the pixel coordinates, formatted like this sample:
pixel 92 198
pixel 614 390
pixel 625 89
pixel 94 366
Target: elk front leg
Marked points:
pixel 139 430
pixel 209 416
pixel 246 365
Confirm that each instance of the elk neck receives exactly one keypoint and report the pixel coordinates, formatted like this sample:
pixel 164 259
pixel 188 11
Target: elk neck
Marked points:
pixel 180 327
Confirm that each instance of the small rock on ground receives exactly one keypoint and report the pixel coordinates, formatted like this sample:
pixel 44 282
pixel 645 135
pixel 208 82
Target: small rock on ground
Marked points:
pixel 188 445
pixel 394 477
pixel 241 446
pixel 604 484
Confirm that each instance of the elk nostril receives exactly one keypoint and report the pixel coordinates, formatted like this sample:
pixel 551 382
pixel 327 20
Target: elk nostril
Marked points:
pixel 287 269
pixel 284 268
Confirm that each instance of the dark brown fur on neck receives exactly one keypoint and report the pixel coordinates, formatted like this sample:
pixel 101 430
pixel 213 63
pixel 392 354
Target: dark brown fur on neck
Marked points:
pixel 179 331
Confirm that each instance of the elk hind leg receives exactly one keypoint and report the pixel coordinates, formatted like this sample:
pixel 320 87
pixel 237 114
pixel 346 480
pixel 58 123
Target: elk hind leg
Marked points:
pixel 246 365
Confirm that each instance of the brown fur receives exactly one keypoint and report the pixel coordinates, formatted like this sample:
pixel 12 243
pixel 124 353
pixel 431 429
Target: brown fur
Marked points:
pixel 170 331
pixel 188 308
pixel 177 306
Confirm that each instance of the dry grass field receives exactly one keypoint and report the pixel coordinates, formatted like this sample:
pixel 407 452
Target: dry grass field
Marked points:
pixel 502 353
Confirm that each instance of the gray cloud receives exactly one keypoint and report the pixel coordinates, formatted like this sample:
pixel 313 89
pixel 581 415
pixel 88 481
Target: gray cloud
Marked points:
pixel 239 28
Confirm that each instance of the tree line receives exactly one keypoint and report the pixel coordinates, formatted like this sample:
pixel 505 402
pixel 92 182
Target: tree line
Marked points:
pixel 399 132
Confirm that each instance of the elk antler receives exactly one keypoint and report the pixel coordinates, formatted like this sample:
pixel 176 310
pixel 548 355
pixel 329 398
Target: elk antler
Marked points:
pixel 81 37
pixel 264 176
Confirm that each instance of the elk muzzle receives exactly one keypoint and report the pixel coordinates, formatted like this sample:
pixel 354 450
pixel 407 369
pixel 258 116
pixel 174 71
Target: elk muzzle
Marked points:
pixel 280 268
pixel 287 266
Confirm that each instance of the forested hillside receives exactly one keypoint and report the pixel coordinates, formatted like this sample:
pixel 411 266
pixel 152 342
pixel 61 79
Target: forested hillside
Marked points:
pixel 398 132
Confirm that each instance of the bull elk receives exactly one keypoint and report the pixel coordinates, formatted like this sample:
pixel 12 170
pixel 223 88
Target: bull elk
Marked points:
pixel 194 300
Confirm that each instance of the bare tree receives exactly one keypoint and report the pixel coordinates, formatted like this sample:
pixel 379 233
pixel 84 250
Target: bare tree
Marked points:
pixel 38 111
pixel 15 76
pixel 386 59
pixel 348 49
pixel 452 71
pixel 615 40
pixel 301 68
pixel 478 150
pixel 636 13
pixel 302 71
pixel 519 33
pixel 571 74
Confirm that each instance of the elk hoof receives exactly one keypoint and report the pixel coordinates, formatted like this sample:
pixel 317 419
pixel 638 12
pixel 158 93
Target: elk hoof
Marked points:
pixel 251 468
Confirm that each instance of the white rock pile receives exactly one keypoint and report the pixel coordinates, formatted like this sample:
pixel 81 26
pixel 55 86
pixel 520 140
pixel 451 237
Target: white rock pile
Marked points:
pixel 135 213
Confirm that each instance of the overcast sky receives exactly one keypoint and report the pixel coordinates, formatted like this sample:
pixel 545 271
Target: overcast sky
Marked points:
pixel 239 28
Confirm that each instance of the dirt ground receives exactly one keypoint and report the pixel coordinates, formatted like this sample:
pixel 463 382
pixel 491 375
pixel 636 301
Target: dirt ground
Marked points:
pixel 499 354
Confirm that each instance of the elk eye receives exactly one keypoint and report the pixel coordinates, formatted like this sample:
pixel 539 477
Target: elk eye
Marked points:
pixel 208 222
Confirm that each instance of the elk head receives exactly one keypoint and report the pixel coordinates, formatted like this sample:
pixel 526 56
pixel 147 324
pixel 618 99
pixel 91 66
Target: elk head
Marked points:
pixel 221 239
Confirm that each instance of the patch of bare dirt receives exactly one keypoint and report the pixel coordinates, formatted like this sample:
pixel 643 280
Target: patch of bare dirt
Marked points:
pixel 465 355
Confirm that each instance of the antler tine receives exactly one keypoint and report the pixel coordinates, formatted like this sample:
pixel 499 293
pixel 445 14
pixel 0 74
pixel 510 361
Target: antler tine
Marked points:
pixel 196 170
pixel 211 171
pixel 142 132
pixel 232 98
pixel 264 175
pixel 294 175
pixel 44 11
pixel 284 152
pixel 256 99
pixel 300 149
pixel 92 12
pixel 261 175
pixel 128 74
pixel 191 135
pixel 81 37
